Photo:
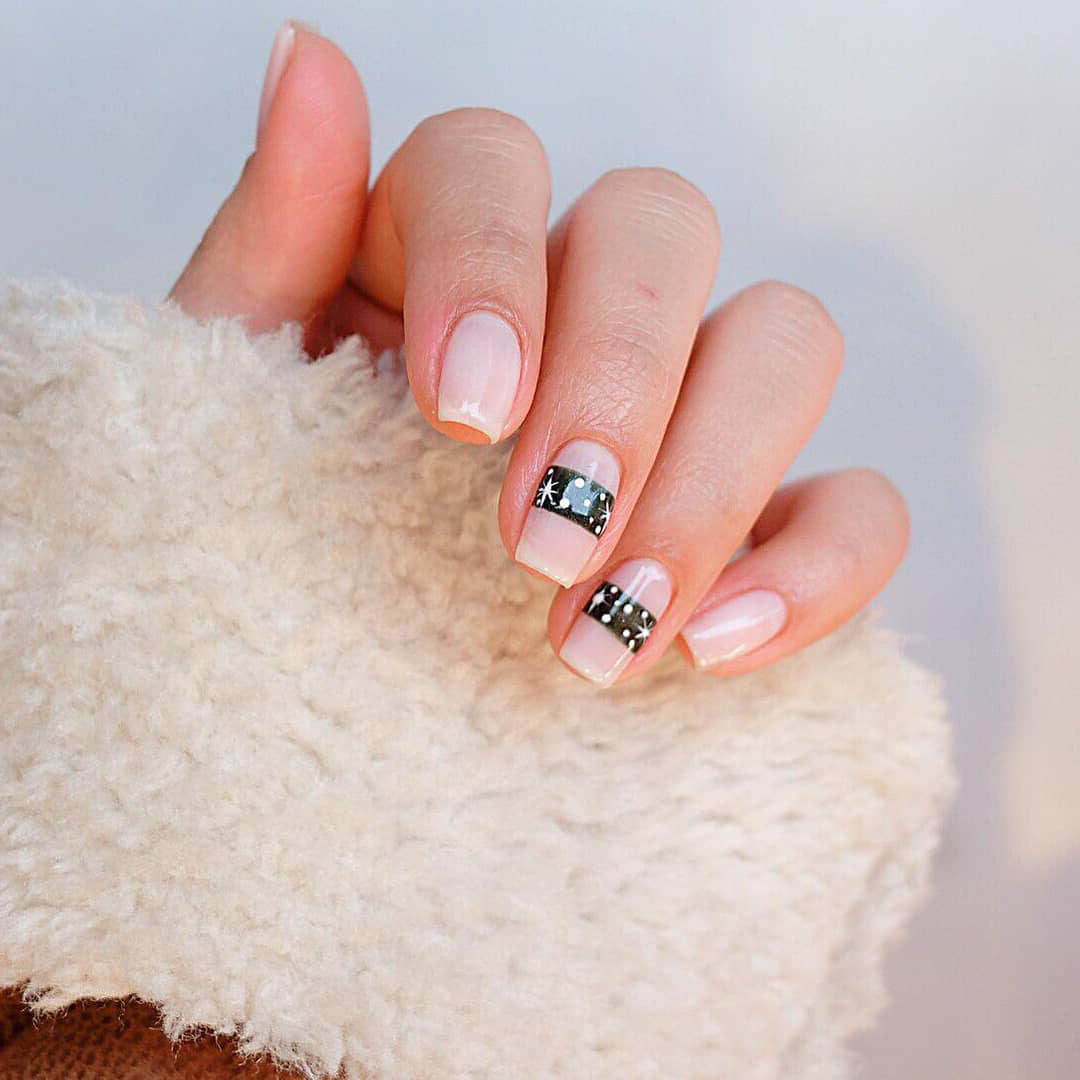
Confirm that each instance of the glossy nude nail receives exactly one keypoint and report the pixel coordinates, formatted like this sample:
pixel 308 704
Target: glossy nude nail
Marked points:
pixel 617 620
pixel 735 627
pixel 275 67
pixel 570 511
pixel 480 373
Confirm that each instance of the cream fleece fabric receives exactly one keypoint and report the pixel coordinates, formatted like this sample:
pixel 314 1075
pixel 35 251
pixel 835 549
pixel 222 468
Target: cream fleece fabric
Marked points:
pixel 285 751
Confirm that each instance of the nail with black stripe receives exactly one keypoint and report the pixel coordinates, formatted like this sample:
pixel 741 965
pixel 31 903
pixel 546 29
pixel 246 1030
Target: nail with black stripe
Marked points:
pixel 617 620
pixel 574 501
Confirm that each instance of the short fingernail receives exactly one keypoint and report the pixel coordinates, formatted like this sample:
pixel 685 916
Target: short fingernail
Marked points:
pixel 570 511
pixel 480 374
pixel 279 58
pixel 735 627
pixel 617 620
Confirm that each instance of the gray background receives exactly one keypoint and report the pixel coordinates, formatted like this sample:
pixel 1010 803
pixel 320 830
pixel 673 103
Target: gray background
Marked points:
pixel 915 165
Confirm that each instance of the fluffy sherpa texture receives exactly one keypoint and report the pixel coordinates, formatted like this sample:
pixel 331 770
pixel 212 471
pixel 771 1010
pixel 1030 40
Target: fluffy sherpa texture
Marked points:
pixel 284 751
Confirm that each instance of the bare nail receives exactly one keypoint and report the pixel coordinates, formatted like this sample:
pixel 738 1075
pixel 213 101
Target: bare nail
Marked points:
pixel 735 627
pixel 480 373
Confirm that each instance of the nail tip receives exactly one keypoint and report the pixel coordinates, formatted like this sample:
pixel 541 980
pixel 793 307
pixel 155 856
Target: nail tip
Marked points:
pixel 601 682
pixel 448 415
pixel 694 659
pixel 531 555
pixel 523 558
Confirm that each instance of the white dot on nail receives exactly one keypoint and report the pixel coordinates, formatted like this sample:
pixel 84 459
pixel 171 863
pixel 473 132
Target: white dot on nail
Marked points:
pixel 605 617
pixel 579 482
pixel 564 503
pixel 628 608
pixel 626 633
pixel 588 503
pixel 550 471
pixel 597 529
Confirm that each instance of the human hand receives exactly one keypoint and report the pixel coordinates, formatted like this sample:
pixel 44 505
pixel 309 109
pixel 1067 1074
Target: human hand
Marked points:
pixel 650 441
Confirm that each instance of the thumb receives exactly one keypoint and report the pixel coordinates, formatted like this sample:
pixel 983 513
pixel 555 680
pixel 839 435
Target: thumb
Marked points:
pixel 280 246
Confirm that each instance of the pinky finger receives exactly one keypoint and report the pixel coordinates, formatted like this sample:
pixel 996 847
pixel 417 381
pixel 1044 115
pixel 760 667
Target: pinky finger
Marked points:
pixel 821 549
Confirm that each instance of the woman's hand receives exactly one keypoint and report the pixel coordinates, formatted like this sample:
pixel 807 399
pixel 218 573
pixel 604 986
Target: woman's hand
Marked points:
pixel 650 443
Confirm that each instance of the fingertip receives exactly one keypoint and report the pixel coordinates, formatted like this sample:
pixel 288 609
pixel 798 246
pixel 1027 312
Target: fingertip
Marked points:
pixel 280 246
pixel 462 432
pixel 837 540
pixel 280 53
pixel 313 114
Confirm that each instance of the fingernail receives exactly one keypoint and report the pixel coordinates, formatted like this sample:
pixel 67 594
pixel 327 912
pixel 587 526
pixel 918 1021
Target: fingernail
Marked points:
pixel 279 58
pixel 617 620
pixel 480 373
pixel 570 511
pixel 738 625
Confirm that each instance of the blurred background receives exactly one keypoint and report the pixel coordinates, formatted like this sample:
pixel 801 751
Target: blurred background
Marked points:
pixel 916 166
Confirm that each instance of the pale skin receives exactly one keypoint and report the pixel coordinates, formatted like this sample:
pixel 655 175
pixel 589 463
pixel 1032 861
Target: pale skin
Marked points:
pixel 703 412
pixel 593 332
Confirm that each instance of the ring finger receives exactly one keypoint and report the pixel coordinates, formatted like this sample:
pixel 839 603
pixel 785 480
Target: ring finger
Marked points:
pixel 762 372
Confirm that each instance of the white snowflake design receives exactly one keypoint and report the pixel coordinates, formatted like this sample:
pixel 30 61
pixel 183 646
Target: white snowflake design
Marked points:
pixel 575 497
pixel 546 493
pixel 624 616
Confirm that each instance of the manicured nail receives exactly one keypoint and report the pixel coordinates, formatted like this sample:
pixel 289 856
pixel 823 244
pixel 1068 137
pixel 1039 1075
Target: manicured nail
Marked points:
pixel 480 374
pixel 279 58
pixel 738 625
pixel 617 620
pixel 570 511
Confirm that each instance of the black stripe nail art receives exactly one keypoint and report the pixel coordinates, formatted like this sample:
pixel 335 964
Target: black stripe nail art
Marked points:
pixel 576 498
pixel 615 608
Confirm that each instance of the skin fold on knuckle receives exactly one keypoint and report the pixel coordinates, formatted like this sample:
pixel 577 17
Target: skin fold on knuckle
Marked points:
pixel 795 327
pixel 611 418
pixel 861 525
pixel 810 577
pixel 624 376
pixel 481 254
pixel 883 503
pixel 663 202
pixel 488 139
pixel 474 208
pixel 497 247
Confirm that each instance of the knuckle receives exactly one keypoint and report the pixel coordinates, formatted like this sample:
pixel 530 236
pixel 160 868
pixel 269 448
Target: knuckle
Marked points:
pixel 874 487
pixel 625 374
pixel 486 131
pixel 878 526
pixel 495 255
pixel 798 325
pixel 846 557
pixel 628 348
pixel 664 196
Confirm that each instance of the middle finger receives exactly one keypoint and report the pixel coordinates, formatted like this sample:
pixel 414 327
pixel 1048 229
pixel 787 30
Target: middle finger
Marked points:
pixel 637 256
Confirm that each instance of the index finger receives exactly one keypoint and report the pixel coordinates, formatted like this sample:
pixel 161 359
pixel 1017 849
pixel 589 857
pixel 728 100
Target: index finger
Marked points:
pixel 455 238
